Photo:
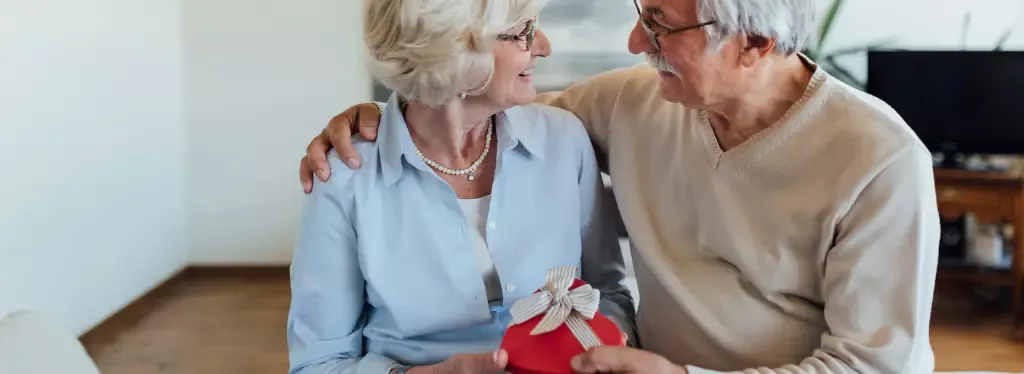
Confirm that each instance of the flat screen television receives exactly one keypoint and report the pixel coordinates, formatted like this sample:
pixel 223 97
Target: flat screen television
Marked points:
pixel 969 102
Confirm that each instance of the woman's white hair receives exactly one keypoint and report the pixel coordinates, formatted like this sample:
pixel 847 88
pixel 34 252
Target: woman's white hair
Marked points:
pixel 789 22
pixel 430 51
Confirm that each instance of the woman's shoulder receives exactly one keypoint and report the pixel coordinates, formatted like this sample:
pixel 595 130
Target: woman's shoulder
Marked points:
pixel 345 180
pixel 558 133
pixel 556 124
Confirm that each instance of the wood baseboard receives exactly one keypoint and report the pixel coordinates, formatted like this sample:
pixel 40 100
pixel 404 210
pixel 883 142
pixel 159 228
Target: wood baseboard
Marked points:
pixel 246 271
pixel 133 313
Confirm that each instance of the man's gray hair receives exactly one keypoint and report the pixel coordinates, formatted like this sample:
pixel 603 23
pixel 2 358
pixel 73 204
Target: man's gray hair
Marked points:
pixel 789 22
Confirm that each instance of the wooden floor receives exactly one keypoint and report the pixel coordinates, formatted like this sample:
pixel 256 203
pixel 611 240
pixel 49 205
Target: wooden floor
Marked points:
pixel 223 325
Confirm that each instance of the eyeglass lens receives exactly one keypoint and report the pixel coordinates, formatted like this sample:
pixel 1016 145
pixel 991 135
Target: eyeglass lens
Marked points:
pixel 651 37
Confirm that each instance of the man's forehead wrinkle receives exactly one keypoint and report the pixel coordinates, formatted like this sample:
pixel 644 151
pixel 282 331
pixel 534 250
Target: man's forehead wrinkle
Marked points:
pixel 665 9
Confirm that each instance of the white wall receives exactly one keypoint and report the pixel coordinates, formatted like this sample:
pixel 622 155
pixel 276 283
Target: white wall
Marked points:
pixel 923 24
pixel 262 77
pixel 91 155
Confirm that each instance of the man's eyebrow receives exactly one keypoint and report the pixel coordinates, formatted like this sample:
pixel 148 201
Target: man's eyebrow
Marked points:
pixel 657 13
pixel 654 11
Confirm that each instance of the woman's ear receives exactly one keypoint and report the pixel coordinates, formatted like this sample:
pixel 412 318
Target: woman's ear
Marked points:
pixel 754 48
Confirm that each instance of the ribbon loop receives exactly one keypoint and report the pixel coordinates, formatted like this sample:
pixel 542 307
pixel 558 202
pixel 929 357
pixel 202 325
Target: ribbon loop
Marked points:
pixel 560 305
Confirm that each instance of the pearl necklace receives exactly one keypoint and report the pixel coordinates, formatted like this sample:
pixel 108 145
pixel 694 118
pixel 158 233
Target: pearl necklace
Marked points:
pixel 472 168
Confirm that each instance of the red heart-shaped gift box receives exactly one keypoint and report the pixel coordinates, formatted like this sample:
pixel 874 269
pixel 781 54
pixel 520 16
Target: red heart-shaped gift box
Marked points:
pixel 550 353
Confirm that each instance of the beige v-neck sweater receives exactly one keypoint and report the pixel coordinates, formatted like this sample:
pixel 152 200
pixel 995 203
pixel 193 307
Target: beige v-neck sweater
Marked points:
pixel 810 248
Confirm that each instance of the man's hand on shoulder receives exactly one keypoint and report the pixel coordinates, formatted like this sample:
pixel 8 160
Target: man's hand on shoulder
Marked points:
pixel 622 360
pixel 362 119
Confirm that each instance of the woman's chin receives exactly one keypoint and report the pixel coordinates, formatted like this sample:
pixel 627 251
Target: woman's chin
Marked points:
pixel 525 94
pixel 524 98
pixel 517 92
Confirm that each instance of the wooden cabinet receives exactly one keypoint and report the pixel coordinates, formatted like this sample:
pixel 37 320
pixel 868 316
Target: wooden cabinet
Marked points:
pixel 991 198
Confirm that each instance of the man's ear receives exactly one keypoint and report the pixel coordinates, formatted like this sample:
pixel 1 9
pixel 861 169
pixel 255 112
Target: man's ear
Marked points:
pixel 754 48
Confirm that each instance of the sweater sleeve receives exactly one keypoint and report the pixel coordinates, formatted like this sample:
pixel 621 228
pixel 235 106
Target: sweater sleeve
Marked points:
pixel 879 278
pixel 593 101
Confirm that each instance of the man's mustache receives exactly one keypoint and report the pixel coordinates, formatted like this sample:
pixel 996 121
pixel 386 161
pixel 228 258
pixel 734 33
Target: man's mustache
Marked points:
pixel 658 61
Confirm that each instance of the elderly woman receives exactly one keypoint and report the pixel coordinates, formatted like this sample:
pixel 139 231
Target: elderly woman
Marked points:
pixel 781 221
pixel 470 195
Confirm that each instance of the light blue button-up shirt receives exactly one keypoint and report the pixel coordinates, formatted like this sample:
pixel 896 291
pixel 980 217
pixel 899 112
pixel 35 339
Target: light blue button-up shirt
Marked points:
pixel 384 270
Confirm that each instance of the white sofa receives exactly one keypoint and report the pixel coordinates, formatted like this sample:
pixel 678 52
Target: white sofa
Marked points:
pixel 32 343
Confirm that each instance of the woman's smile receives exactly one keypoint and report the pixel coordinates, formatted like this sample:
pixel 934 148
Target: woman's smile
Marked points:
pixel 526 76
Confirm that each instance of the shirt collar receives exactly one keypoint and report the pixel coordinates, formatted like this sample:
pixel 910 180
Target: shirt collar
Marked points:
pixel 519 127
pixel 395 142
pixel 515 127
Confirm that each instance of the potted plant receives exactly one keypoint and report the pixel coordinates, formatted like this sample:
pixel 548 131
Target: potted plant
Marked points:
pixel 828 59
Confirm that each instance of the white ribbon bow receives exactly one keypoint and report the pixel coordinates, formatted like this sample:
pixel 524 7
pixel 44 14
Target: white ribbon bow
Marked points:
pixel 560 305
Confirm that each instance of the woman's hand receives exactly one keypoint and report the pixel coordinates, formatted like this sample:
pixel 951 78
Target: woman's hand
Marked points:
pixel 472 363
pixel 362 119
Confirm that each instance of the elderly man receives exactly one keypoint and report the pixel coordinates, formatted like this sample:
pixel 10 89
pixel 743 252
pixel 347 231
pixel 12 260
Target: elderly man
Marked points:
pixel 781 221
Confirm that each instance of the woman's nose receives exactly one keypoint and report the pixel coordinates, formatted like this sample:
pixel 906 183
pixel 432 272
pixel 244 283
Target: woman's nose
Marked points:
pixel 541 44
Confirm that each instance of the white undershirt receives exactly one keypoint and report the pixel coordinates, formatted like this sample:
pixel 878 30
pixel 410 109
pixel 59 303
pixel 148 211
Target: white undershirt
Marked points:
pixel 475 211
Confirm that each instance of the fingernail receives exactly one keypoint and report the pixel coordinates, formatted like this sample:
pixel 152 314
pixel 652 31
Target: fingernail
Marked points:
pixel 322 174
pixel 495 356
pixel 353 163
pixel 307 186
pixel 575 362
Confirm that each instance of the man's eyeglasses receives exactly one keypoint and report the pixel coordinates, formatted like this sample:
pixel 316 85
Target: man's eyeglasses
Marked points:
pixel 525 38
pixel 654 35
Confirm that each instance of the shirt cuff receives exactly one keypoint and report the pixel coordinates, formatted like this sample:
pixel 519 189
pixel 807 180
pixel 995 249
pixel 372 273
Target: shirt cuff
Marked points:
pixel 374 363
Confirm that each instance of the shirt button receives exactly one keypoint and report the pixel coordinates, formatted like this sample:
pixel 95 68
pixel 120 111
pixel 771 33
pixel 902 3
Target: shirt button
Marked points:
pixel 510 287
pixel 491 225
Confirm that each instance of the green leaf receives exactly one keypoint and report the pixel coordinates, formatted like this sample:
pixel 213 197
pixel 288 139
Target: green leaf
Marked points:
pixel 841 73
pixel 826 24
pixel 811 54
pixel 963 30
pixel 863 48
pixel 1003 38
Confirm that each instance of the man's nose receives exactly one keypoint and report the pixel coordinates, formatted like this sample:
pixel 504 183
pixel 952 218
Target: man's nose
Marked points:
pixel 541 44
pixel 639 41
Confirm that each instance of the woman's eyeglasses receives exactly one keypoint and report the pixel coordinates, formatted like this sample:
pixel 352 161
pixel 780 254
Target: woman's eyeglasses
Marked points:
pixel 525 38
pixel 654 35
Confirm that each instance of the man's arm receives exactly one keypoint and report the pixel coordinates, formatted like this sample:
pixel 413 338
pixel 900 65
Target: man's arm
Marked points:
pixel 879 277
pixel 592 100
